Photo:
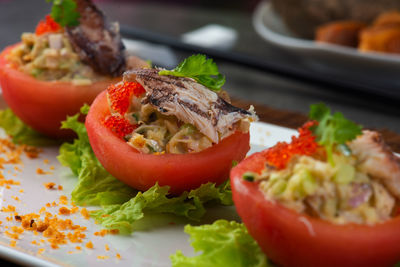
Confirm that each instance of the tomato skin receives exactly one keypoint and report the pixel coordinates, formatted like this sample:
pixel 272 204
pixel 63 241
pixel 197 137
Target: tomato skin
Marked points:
pixel 141 171
pixel 42 104
pixel 285 238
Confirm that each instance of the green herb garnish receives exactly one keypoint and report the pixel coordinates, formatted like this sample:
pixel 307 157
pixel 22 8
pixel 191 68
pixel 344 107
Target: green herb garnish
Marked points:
pixel 64 12
pixel 249 176
pixel 332 129
pixel 201 69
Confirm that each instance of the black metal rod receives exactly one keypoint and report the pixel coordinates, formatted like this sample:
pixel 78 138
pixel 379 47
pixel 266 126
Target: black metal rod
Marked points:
pixel 279 69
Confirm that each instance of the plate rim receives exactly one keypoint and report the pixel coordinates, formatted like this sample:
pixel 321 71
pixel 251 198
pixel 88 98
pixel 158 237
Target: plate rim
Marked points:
pixel 305 45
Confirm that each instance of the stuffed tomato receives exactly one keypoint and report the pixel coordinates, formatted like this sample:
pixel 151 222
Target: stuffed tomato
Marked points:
pixel 60 67
pixel 319 203
pixel 42 104
pixel 168 130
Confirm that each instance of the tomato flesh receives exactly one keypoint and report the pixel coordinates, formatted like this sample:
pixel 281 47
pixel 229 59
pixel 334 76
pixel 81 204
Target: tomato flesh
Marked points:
pixel 41 104
pixel 181 172
pixel 293 239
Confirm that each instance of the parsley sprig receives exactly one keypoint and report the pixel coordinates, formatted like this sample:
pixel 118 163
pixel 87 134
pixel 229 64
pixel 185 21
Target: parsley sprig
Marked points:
pixel 64 12
pixel 332 129
pixel 201 69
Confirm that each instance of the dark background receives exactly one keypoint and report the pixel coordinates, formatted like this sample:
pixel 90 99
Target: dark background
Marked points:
pixel 174 18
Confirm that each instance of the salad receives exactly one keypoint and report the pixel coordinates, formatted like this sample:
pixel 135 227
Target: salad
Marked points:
pixel 128 183
pixel 352 176
pixel 325 199
pixel 71 57
pixel 158 118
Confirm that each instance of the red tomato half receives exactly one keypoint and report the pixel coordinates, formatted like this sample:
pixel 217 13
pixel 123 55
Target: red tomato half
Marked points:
pixel 293 239
pixel 141 171
pixel 43 105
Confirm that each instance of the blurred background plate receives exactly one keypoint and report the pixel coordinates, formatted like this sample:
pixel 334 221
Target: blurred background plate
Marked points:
pixel 341 62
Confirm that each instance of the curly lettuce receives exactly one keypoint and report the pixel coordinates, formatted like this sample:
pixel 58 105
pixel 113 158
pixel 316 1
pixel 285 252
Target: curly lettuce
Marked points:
pixel 95 185
pixel 157 200
pixel 222 243
pixel 122 206
pixel 22 133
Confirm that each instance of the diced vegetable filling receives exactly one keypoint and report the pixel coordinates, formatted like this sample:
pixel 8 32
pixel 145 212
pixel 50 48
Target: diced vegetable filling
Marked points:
pixel 343 178
pixel 341 193
pixel 158 133
pixel 51 57
pixel 145 128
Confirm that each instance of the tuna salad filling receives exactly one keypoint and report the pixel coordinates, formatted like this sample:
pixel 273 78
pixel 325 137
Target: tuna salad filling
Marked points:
pixel 83 50
pixel 357 181
pixel 157 133
pixel 165 114
pixel 340 194
pixel 50 57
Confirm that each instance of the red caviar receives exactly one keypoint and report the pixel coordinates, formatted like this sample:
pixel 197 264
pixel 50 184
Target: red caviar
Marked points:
pixel 304 144
pixel 119 125
pixel 47 25
pixel 120 95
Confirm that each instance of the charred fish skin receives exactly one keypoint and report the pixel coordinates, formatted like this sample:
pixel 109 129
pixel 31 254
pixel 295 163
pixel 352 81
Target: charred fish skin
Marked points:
pixel 97 41
pixel 189 101
pixel 163 92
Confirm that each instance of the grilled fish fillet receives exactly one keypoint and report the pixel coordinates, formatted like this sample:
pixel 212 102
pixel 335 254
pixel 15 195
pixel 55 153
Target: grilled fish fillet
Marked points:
pixel 376 159
pixel 97 41
pixel 190 102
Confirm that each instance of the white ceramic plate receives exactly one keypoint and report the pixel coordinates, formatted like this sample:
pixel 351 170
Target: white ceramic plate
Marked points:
pixel 150 247
pixel 336 60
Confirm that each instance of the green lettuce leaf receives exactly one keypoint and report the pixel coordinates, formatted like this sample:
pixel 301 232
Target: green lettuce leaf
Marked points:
pixel 156 200
pixel 222 243
pixel 121 205
pixel 20 132
pixel 95 185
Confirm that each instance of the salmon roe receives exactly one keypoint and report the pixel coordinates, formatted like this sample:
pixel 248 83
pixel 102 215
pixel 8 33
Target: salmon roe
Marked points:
pixel 120 95
pixel 118 125
pixel 304 144
pixel 47 25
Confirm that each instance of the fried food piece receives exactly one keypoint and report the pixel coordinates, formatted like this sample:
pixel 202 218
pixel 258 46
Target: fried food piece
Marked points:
pixel 380 40
pixel 388 19
pixel 384 35
pixel 343 33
